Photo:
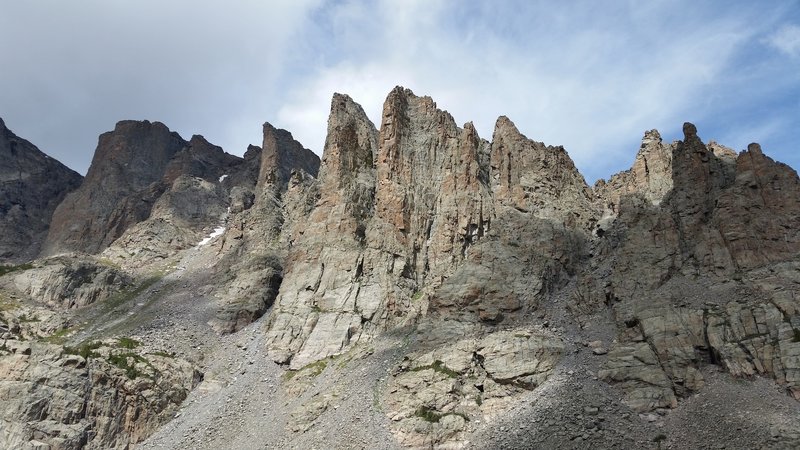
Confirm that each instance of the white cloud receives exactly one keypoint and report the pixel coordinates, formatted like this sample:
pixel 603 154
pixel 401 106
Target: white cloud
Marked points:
pixel 589 75
pixel 787 40
pixel 72 69
pixel 592 81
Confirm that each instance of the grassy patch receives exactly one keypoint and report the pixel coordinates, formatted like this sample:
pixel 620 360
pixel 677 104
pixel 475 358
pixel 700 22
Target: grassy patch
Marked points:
pixel 438 366
pixel 107 262
pixel 58 337
pixel 128 343
pixel 163 354
pixel 129 294
pixel 430 415
pixel 8 305
pixel 314 369
pixel 121 361
pixel 417 295
pixel 85 350
pixel 26 318
pixel 8 269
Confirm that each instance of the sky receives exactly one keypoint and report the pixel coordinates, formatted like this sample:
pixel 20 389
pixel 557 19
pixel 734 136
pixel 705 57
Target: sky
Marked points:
pixel 589 75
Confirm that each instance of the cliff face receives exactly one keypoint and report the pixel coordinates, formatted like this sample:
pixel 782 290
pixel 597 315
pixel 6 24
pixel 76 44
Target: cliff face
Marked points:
pixel 707 276
pixel 119 190
pixel 31 186
pixel 423 223
pixel 404 227
pixel 453 279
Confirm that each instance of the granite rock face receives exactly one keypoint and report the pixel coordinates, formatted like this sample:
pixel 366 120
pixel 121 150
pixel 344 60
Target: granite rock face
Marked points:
pixel 119 189
pixel 272 199
pixel 404 228
pixel 31 186
pixel 650 176
pixel 110 399
pixel 432 397
pixel 705 276
pixel 65 282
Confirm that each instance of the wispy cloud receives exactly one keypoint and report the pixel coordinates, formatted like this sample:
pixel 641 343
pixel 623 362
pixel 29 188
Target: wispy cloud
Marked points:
pixel 72 69
pixel 589 76
pixel 787 40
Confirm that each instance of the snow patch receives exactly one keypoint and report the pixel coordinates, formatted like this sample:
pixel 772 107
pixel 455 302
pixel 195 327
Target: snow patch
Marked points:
pixel 222 178
pixel 217 232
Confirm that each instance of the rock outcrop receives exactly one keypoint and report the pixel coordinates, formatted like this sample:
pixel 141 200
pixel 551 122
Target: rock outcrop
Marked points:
pixel 705 276
pixel 432 397
pixel 272 200
pixel 421 218
pixel 650 176
pixel 65 282
pixel 119 190
pixel 100 396
pixel 31 186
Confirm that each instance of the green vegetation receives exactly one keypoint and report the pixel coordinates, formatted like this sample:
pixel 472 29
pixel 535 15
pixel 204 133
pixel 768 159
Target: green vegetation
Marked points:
pixel 314 369
pixel 128 343
pixel 107 262
pixel 479 400
pixel 58 337
pixel 127 295
pixel 417 295
pixel 25 318
pixel 430 415
pixel 85 350
pixel 8 305
pixel 163 354
pixel 659 439
pixel 438 366
pixel 8 269
pixel 121 361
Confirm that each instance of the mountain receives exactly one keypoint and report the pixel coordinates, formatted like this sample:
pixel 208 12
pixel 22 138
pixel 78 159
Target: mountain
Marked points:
pixel 31 186
pixel 420 287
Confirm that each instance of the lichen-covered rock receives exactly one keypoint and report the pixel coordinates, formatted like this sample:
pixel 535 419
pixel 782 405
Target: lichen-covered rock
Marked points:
pixel 433 397
pixel 69 282
pixel 111 398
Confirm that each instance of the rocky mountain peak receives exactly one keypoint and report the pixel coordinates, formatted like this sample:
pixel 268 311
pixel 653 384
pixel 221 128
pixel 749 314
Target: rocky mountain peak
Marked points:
pixel 754 148
pixel 451 280
pixel 351 143
pixel 689 132
pixel 120 188
pixel 202 159
pixel 135 154
pixel 650 176
pixel 280 154
pixel 532 177
pixel 31 186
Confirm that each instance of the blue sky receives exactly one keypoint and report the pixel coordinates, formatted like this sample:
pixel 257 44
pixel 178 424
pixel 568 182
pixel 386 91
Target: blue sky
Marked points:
pixel 591 76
